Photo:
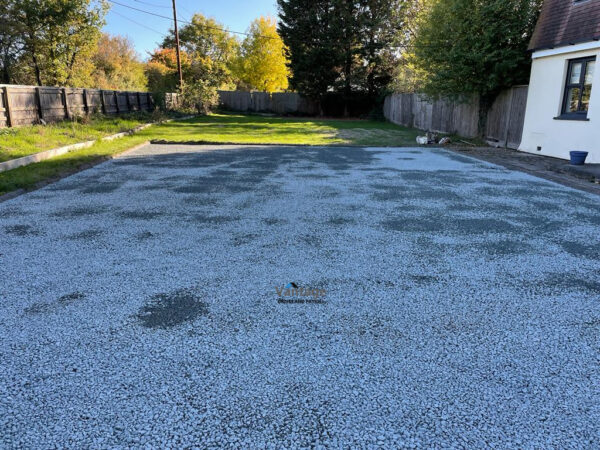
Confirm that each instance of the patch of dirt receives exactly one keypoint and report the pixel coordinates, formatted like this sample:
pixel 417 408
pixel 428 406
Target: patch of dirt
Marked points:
pixel 169 310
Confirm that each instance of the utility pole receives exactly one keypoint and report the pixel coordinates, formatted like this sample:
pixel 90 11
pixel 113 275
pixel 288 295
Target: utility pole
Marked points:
pixel 179 72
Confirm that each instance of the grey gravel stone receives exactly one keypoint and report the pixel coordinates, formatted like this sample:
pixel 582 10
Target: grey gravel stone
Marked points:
pixel 140 305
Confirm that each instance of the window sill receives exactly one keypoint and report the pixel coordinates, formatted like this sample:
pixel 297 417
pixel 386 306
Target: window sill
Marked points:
pixel 580 118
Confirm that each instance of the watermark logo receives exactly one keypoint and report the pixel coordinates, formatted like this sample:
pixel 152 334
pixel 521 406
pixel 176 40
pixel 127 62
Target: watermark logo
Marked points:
pixel 292 293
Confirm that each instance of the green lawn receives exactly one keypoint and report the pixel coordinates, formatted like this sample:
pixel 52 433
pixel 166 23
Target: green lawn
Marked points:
pixel 22 141
pixel 217 128
pixel 240 129
pixel 28 177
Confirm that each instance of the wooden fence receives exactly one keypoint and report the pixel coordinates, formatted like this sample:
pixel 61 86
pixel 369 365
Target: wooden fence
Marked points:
pixel 504 124
pixel 26 105
pixel 278 102
pixel 507 116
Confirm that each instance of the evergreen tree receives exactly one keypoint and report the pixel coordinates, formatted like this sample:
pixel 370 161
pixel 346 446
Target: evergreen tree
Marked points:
pixel 306 27
pixel 343 46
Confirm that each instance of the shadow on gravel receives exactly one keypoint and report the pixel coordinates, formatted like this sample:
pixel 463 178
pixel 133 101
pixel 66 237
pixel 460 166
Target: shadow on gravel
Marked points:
pixel 21 230
pixel 43 307
pixel 165 311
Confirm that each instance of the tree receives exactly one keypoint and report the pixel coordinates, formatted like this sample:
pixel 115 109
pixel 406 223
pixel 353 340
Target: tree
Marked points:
pixel 116 65
pixel 262 63
pixel 340 45
pixel 212 52
pixel 407 77
pixel 306 29
pixel 468 47
pixel 382 28
pixel 11 44
pixel 59 36
pixel 161 70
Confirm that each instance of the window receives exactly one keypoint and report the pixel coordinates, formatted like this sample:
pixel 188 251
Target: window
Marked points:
pixel 578 88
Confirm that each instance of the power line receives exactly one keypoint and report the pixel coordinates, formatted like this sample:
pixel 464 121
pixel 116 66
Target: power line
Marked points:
pixel 186 10
pixel 139 24
pixel 401 46
pixel 185 21
pixel 154 5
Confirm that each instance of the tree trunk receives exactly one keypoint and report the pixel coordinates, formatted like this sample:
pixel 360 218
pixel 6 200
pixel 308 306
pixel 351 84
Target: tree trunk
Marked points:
pixel 71 64
pixel 6 71
pixel 38 74
pixel 347 84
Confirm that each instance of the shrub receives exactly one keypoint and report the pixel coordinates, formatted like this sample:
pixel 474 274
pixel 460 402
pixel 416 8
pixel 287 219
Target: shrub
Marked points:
pixel 199 96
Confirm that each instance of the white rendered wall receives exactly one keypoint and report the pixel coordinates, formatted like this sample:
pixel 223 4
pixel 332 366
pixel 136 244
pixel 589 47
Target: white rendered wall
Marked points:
pixel 544 101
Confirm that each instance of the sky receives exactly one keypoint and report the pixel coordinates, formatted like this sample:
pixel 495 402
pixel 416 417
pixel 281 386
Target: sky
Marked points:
pixel 145 30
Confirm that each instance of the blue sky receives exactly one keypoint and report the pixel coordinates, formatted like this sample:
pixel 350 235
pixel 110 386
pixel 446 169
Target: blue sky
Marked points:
pixel 143 29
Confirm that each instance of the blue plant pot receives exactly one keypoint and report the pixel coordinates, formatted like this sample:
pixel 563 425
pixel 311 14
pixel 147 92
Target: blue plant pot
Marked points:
pixel 578 158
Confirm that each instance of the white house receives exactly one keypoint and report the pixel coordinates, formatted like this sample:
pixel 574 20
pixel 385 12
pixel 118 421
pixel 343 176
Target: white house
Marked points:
pixel 563 103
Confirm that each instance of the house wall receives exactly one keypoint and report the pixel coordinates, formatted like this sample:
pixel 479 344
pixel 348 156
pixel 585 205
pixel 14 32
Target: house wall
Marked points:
pixel 546 89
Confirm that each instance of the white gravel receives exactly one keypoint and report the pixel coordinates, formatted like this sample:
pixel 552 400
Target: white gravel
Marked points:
pixel 138 303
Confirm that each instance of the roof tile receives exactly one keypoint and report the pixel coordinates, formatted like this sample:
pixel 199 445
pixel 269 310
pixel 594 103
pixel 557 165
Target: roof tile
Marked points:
pixel 565 22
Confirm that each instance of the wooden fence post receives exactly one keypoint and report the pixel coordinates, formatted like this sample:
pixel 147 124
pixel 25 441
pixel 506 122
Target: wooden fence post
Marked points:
pixel 86 102
pixel 38 99
pixel 139 99
pixel 116 94
pixel 102 101
pixel 128 101
pixel 66 100
pixel 9 117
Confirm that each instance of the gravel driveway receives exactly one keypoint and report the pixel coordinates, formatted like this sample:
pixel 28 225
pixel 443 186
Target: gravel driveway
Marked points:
pixel 441 301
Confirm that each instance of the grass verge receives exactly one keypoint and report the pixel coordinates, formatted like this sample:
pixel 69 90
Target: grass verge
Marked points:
pixel 34 175
pixel 23 141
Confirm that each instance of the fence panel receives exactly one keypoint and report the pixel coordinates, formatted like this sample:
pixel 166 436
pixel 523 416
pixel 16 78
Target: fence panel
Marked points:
pixel 517 117
pixel 122 99
pixel 279 102
pixel 94 100
pixel 498 116
pixel 132 101
pixel 76 102
pixel 23 104
pixel 110 102
pixel 466 118
pixel 143 99
pixel 260 101
pixel 27 105
pixel 505 118
pixel 285 103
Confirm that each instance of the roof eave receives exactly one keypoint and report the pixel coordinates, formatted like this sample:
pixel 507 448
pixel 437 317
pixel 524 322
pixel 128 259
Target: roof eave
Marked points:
pixel 563 44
